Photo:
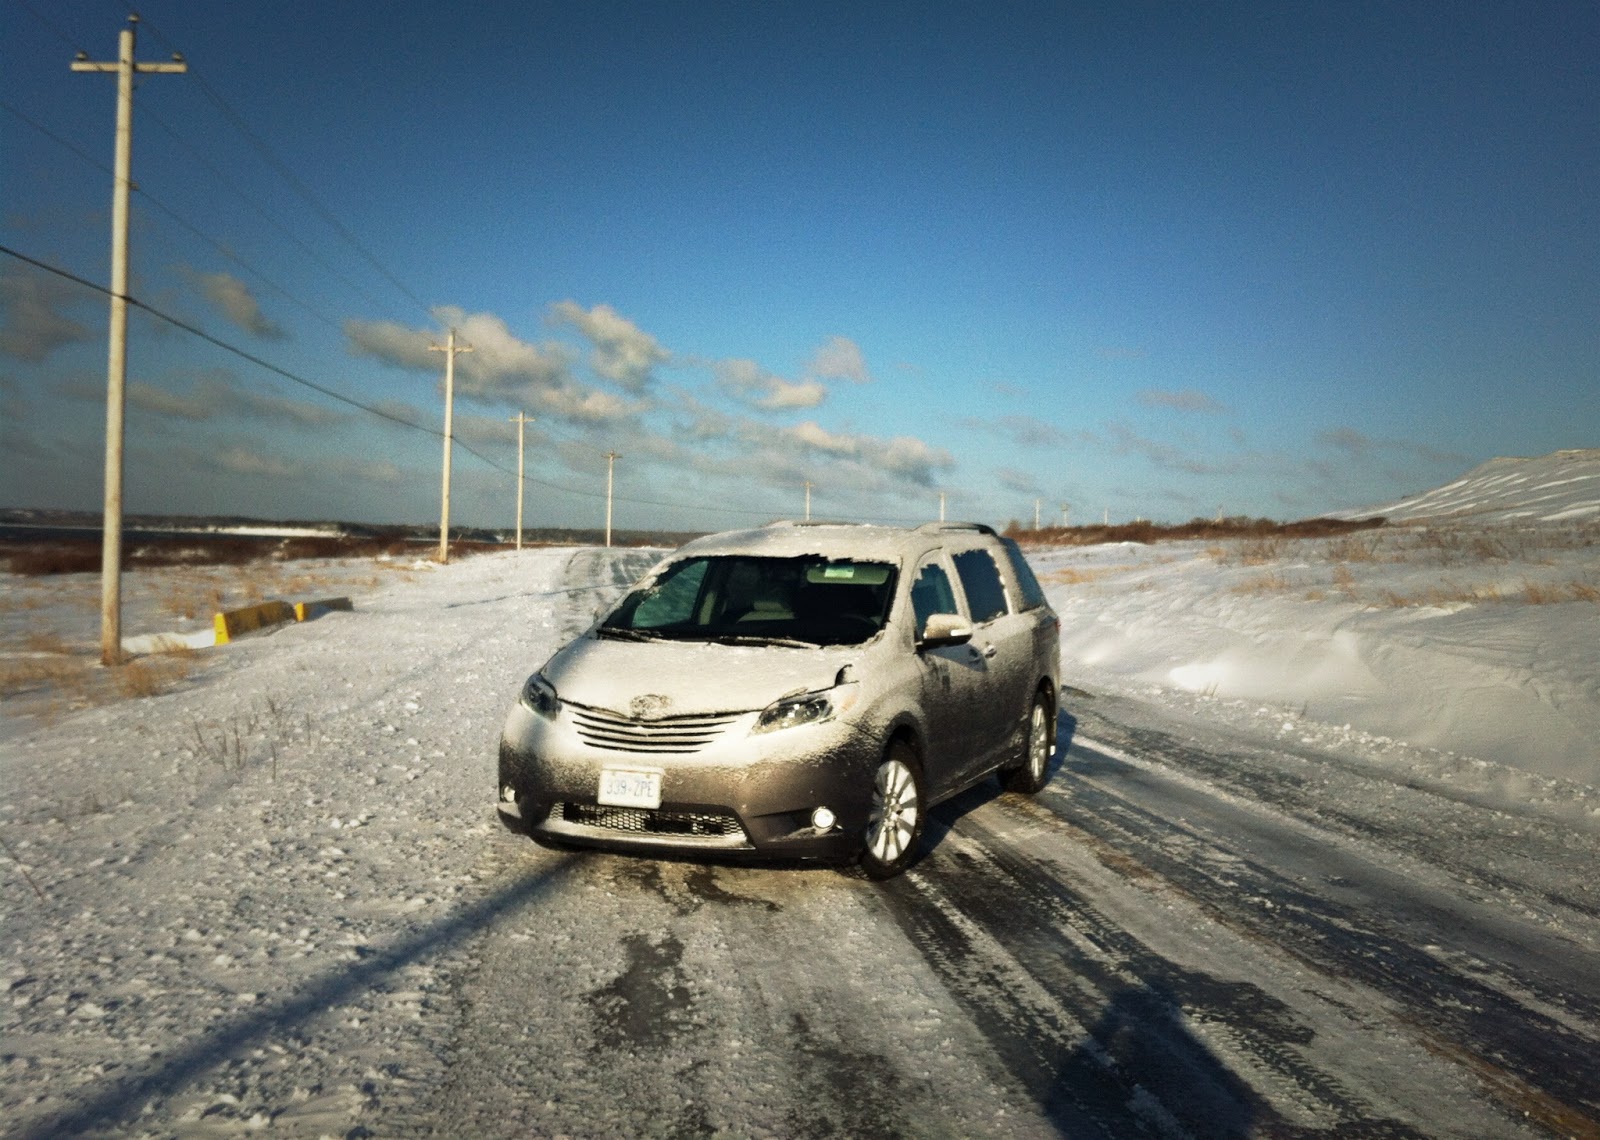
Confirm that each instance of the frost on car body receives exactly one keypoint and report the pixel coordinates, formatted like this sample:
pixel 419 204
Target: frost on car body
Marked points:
pixel 794 691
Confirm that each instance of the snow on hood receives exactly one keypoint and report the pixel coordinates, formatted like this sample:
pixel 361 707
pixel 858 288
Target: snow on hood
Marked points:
pixel 694 677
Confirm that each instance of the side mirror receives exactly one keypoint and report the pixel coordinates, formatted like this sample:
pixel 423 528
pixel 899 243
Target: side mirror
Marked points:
pixel 944 629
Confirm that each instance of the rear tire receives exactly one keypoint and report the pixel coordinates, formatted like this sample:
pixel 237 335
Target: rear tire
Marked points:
pixel 1034 770
pixel 894 827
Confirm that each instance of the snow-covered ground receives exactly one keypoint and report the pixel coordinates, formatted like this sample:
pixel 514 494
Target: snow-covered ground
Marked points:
pixel 272 895
pixel 1475 635
pixel 1563 486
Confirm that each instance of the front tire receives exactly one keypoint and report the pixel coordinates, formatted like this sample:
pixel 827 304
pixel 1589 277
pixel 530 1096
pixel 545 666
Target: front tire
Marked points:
pixel 894 826
pixel 1030 775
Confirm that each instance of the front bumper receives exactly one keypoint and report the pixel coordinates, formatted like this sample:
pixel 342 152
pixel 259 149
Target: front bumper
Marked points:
pixel 735 793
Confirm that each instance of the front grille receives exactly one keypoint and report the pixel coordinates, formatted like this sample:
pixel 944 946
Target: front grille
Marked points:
pixel 644 821
pixel 679 734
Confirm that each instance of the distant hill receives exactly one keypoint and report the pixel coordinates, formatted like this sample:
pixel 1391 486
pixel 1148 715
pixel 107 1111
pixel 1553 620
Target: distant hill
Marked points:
pixel 1563 486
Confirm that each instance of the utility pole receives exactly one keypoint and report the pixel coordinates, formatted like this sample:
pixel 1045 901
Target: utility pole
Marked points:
pixel 611 467
pixel 1037 503
pixel 117 358
pixel 520 420
pixel 941 506
pixel 449 348
pixel 808 500
pixel 1064 507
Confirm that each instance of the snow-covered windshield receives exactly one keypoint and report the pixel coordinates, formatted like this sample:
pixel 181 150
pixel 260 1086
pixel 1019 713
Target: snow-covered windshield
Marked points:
pixel 742 599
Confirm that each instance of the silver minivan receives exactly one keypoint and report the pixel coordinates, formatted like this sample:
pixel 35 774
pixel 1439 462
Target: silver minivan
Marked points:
pixel 795 691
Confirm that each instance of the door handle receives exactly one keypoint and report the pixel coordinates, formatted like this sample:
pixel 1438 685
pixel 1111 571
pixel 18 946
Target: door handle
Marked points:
pixel 987 651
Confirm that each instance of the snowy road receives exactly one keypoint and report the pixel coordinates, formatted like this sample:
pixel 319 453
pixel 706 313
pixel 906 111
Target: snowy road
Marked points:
pixel 317 929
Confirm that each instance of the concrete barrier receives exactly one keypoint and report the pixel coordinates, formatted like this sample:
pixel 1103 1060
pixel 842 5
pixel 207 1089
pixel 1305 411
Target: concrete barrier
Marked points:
pixel 305 611
pixel 231 623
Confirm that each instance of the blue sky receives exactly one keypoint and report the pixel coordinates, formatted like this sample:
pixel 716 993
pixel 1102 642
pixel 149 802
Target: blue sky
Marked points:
pixel 1146 259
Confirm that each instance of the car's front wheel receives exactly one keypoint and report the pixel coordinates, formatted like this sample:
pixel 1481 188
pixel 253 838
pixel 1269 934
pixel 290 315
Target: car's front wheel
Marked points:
pixel 1030 773
pixel 898 807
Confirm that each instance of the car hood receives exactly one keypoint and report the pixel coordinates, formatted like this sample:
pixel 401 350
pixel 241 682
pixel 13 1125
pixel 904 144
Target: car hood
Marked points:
pixel 684 678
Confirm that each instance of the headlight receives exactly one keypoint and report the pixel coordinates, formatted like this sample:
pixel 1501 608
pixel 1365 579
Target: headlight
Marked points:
pixel 539 696
pixel 806 708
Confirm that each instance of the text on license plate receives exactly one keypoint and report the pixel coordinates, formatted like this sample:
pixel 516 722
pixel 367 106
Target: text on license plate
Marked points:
pixel 630 787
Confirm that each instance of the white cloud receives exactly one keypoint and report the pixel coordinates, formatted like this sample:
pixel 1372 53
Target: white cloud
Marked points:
pixel 748 382
pixel 1023 482
pixel 904 457
pixel 218 395
pixel 623 353
pixel 391 343
pixel 31 325
pixel 500 363
pixel 839 358
pixel 233 299
pixel 1186 400
pixel 500 368
pixel 242 461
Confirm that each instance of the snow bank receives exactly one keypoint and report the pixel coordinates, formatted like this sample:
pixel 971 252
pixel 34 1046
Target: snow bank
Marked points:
pixel 1563 486
pixel 1482 645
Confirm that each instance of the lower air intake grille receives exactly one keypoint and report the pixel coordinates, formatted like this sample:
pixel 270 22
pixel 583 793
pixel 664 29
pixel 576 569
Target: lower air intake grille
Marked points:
pixel 643 821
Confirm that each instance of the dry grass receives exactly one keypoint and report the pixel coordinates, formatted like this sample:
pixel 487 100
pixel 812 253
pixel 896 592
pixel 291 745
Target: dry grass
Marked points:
pixel 1552 593
pixel 1352 549
pixel 1072 576
pixel 42 675
pixel 1532 593
pixel 35 558
pixel 1143 531
pixel 1260 551
pixel 151 676
pixel 1269 583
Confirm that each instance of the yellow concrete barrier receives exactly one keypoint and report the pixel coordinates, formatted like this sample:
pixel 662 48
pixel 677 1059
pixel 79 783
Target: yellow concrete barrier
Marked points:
pixel 231 623
pixel 305 611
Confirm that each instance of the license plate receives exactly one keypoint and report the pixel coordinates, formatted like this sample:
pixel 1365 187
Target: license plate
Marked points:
pixel 630 787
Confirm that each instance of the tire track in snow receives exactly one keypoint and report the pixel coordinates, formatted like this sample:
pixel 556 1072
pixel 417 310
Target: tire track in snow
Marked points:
pixel 1367 924
pixel 1132 1059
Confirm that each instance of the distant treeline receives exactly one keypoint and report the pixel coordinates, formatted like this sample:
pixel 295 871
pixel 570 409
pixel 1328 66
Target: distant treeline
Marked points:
pixel 1144 531
pixel 56 552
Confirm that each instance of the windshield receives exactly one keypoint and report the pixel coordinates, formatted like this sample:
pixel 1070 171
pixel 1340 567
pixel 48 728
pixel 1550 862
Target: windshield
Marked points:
pixel 742 599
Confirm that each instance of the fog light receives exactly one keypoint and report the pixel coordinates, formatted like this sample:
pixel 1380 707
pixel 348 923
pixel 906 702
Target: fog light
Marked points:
pixel 508 794
pixel 822 819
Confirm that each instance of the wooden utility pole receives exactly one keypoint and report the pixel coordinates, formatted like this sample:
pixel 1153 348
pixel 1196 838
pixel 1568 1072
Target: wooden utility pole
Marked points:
pixel 521 421
pixel 611 466
pixel 117 359
pixel 808 500
pixel 449 348
pixel 941 506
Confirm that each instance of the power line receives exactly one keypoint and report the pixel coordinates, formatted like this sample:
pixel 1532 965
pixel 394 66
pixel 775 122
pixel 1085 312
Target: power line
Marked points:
pixel 53 137
pixel 268 156
pixel 333 394
pixel 304 246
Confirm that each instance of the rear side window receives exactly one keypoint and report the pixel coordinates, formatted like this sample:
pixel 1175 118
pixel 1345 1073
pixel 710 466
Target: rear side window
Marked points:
pixel 980 579
pixel 1032 592
pixel 931 594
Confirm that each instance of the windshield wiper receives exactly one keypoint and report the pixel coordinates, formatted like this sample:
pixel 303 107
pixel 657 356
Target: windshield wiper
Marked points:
pixel 622 633
pixel 758 639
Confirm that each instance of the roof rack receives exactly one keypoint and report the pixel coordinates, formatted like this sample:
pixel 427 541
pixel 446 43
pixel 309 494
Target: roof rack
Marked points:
pixel 981 528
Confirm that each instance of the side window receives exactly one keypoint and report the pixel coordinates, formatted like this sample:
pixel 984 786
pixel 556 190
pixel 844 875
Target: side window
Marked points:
pixel 1032 592
pixel 980 579
pixel 671 600
pixel 931 594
